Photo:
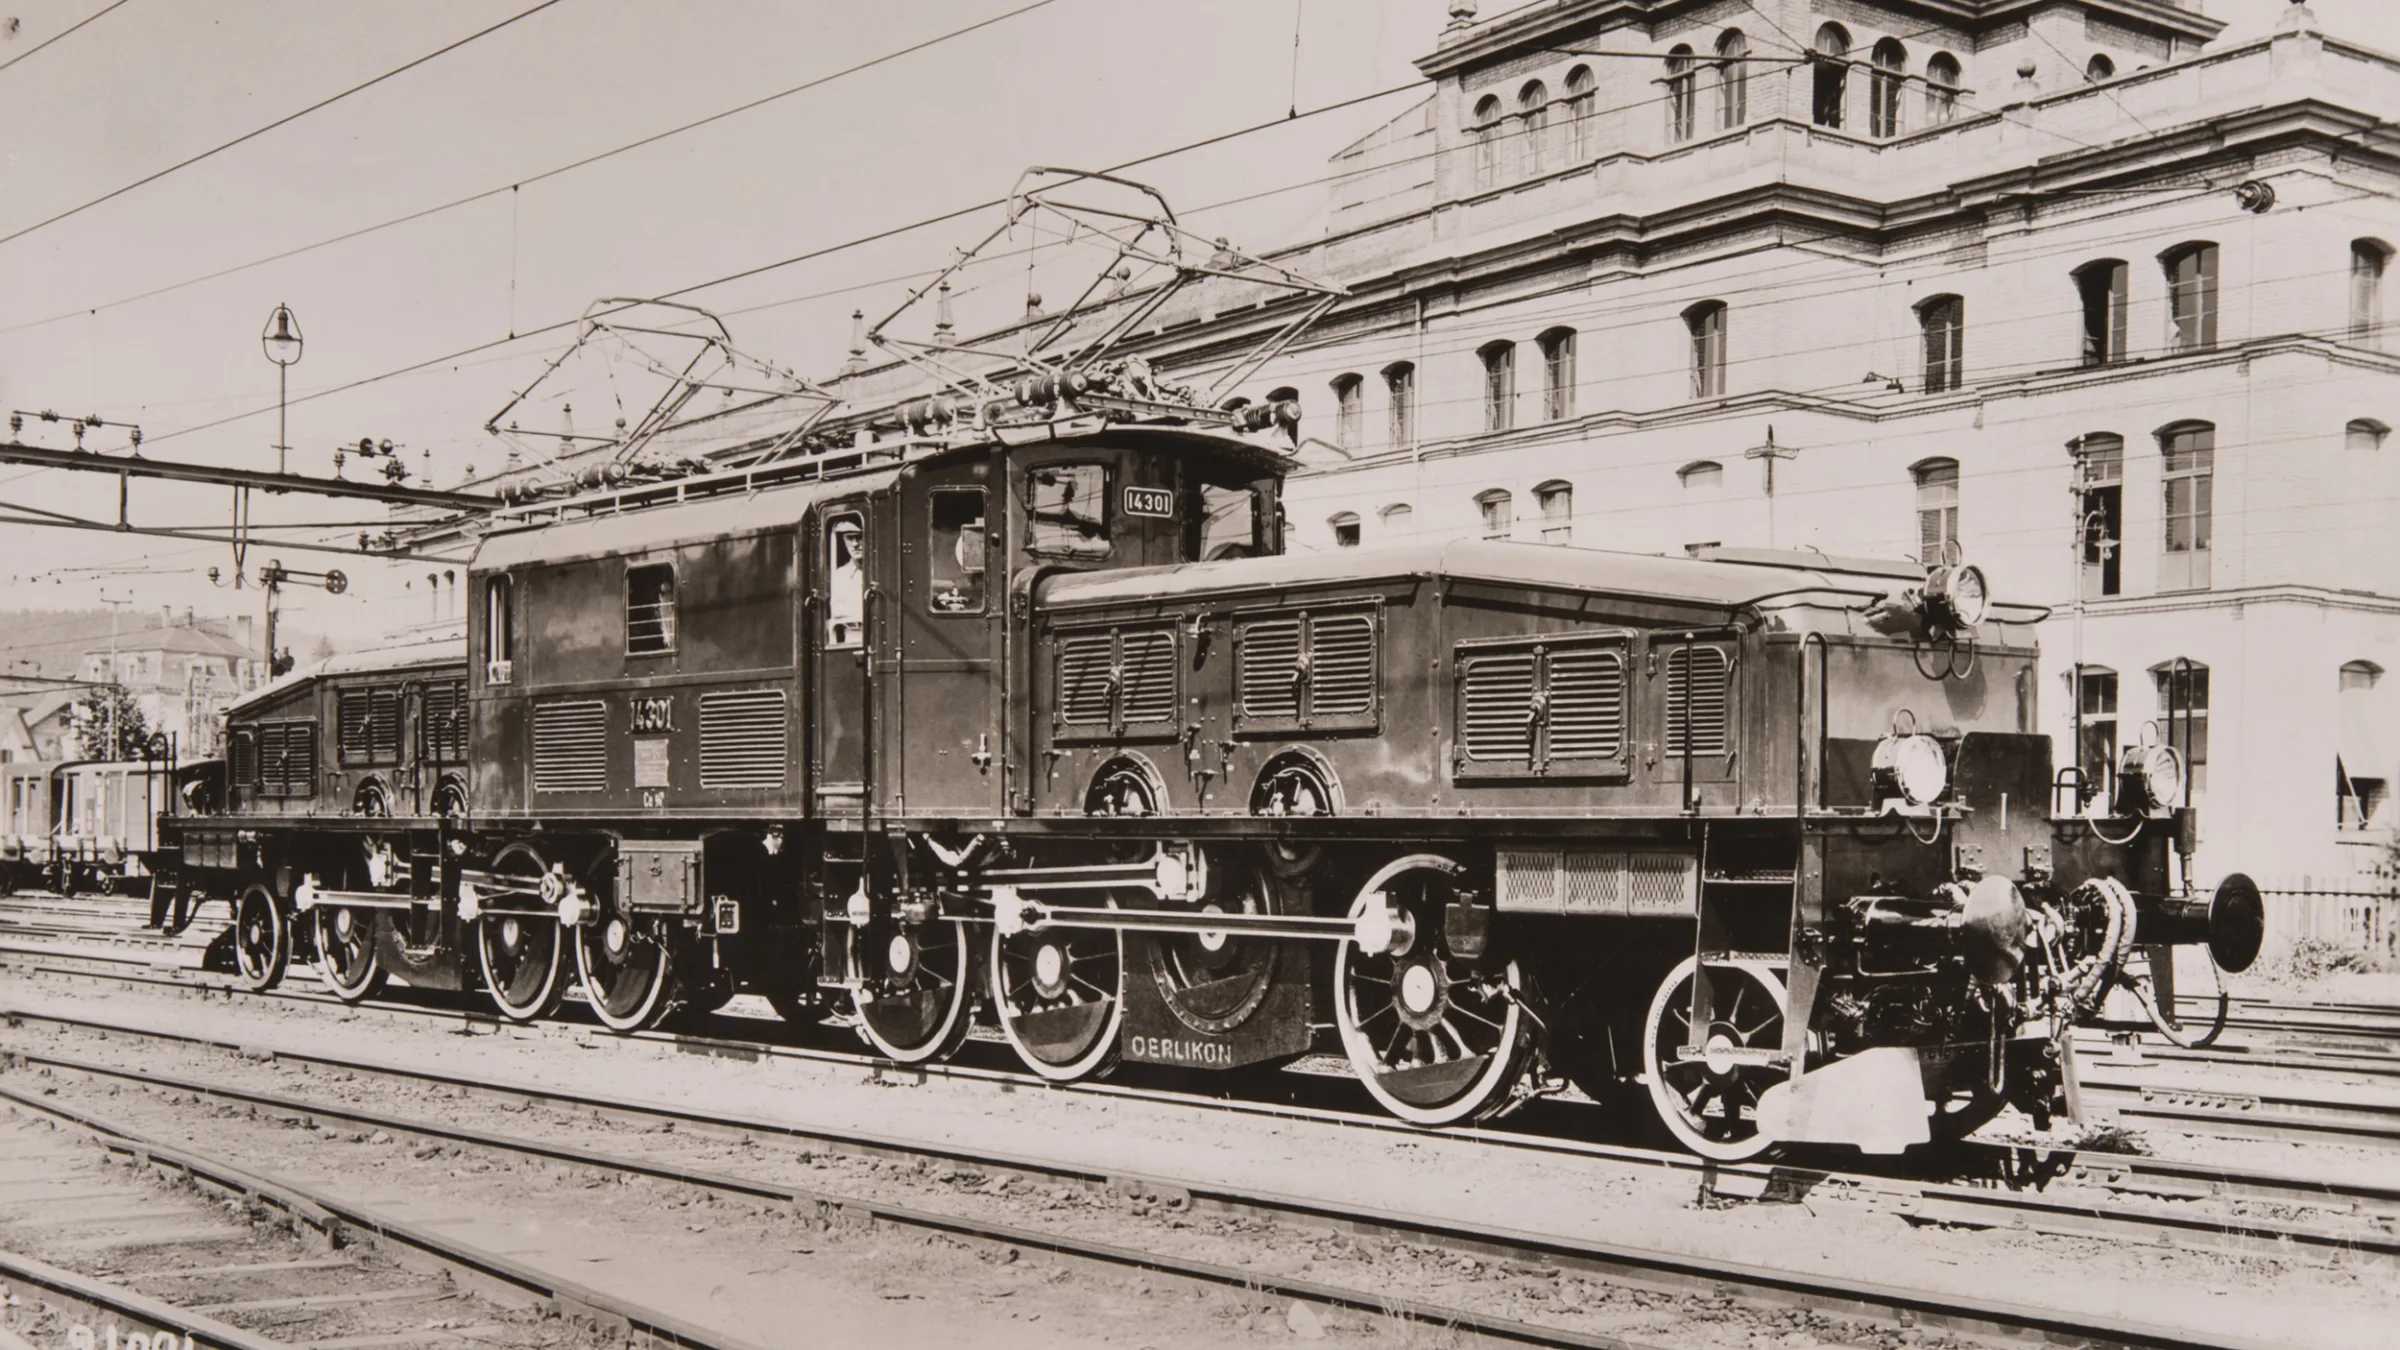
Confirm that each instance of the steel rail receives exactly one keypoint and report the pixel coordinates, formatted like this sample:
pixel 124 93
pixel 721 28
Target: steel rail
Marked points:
pixel 1622 1263
pixel 339 1221
pixel 126 1303
pixel 2121 1172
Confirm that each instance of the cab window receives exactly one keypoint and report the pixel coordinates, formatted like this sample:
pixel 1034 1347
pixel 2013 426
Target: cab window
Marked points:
pixel 955 556
pixel 1230 523
pixel 649 609
pixel 1066 508
pixel 845 581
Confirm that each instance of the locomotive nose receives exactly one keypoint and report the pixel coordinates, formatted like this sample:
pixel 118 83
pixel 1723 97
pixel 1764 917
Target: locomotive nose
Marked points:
pixel 1992 923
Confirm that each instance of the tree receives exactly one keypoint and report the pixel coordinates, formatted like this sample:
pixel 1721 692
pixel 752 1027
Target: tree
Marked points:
pixel 93 725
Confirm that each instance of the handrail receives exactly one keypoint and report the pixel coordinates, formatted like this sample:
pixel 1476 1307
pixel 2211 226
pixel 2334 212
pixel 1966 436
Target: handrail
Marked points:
pixel 1801 760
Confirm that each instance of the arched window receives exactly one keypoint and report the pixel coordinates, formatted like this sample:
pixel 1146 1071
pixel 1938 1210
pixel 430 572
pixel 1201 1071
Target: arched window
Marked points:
pixel 2100 489
pixel 2099 68
pixel 1937 509
pixel 1943 321
pixel 1486 132
pixel 1344 525
pixel 1533 105
pixel 1581 99
pixel 2368 258
pixel 1883 92
pixel 1702 475
pixel 1558 374
pixel 1398 520
pixel 2362 766
pixel 1499 513
pixel 1557 500
pixel 2183 713
pixel 1349 411
pixel 2188 471
pixel 1830 64
pixel 2191 296
pixel 2101 287
pixel 2364 433
pixel 1683 94
pixel 1499 384
pixel 1400 385
pixel 1706 322
pixel 1733 79
pixel 1941 88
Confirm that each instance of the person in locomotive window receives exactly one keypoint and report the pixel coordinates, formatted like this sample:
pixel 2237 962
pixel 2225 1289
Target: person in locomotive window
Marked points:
pixel 1067 507
pixel 845 584
pixel 956 556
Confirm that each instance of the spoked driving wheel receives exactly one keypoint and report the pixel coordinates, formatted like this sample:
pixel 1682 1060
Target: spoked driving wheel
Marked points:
pixel 1060 996
pixel 1435 1038
pixel 346 954
pixel 1708 1095
pixel 915 996
pixel 627 964
pixel 520 947
pixel 1214 981
pixel 262 938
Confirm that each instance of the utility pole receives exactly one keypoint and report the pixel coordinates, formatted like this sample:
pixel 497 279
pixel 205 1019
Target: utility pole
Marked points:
pixel 115 692
pixel 281 341
pixel 1770 452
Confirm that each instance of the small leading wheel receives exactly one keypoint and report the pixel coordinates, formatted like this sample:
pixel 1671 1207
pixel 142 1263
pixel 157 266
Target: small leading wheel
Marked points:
pixel 916 991
pixel 346 954
pixel 262 938
pixel 1436 1039
pixel 519 948
pixel 1708 1096
pixel 628 967
pixel 1060 996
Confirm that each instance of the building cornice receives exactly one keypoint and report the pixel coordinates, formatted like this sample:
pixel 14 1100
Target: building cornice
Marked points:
pixel 2189 602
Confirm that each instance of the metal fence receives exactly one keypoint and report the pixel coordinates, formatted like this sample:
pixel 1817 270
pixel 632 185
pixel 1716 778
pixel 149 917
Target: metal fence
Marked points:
pixel 2356 913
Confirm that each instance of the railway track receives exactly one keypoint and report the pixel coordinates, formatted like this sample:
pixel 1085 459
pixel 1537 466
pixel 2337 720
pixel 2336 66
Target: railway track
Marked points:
pixel 569 1119
pixel 113 1238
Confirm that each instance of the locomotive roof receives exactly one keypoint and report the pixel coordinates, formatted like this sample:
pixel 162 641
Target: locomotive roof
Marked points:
pixel 412 656
pixel 1711 583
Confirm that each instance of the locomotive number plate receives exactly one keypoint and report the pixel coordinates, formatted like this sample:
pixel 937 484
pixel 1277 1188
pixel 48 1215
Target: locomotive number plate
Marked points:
pixel 653 714
pixel 1157 503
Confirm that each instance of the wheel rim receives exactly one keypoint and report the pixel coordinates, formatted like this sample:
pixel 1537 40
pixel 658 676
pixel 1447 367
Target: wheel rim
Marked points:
pixel 346 951
pixel 916 990
pixel 1710 1101
pixel 262 939
pixel 1213 982
pixel 1060 996
pixel 1434 1040
pixel 520 953
pixel 626 967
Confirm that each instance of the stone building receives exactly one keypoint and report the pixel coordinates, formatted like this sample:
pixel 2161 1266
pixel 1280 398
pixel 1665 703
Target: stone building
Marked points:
pixel 183 672
pixel 2066 287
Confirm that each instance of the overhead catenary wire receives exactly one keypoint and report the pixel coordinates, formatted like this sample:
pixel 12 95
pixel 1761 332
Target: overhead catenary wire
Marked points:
pixel 285 120
pixel 103 12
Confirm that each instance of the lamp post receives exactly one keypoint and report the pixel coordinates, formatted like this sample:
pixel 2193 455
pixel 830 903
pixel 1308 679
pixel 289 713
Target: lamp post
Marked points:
pixel 281 341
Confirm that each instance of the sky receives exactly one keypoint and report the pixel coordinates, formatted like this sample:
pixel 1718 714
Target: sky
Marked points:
pixel 1078 83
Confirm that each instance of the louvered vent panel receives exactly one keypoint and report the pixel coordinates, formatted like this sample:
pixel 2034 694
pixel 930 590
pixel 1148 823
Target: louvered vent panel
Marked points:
pixel 1083 693
pixel 383 723
pixel 1587 704
pixel 1341 666
pixel 570 747
pixel 1706 669
pixel 1270 653
pixel 446 721
pixel 241 759
pixel 353 719
pixel 745 739
pixel 1496 694
pixel 287 755
pixel 1148 670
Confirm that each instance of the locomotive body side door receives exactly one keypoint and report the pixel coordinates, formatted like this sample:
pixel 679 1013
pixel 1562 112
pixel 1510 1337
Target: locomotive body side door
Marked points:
pixel 946 618
pixel 840 684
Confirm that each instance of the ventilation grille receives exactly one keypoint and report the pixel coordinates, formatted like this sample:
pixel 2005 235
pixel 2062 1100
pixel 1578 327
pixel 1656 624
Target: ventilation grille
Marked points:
pixel 1497 694
pixel 570 747
pixel 1147 682
pixel 287 759
pixel 1270 659
pixel 1084 692
pixel 446 721
pixel 1705 669
pixel 1341 657
pixel 1587 704
pixel 1624 883
pixel 241 759
pixel 745 739
pixel 370 725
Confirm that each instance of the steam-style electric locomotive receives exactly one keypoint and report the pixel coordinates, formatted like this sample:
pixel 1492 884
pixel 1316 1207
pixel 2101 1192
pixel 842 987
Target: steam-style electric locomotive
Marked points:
pixel 1016 707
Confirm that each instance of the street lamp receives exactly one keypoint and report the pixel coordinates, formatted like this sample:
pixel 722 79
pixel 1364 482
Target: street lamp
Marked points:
pixel 281 340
